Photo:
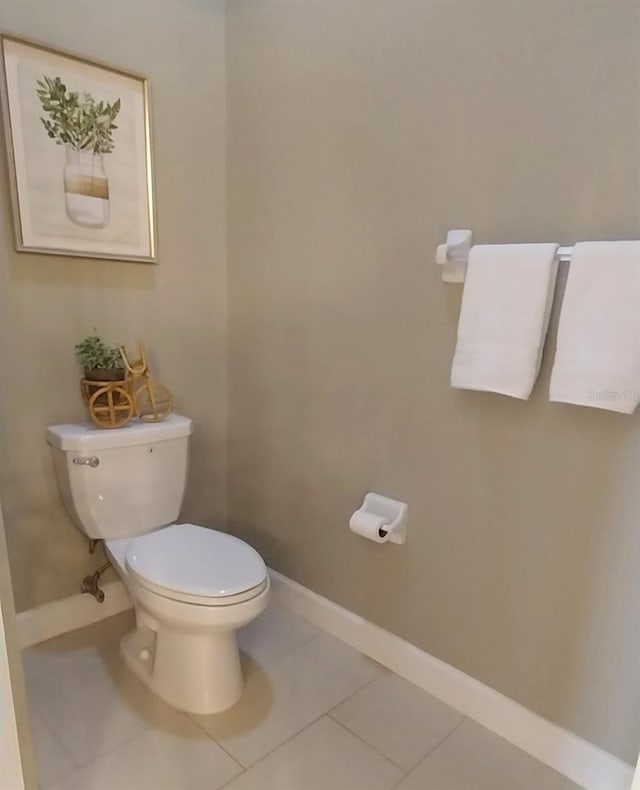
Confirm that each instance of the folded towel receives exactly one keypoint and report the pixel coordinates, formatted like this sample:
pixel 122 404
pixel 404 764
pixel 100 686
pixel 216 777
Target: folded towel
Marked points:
pixel 598 355
pixel 504 317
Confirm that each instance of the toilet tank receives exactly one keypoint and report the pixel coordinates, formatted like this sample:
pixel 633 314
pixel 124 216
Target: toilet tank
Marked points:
pixel 123 482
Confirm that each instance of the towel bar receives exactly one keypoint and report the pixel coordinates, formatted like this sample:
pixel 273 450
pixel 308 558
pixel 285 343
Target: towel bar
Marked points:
pixel 453 255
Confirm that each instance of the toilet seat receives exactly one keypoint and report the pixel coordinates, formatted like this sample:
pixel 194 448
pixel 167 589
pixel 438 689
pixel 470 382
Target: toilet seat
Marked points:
pixel 189 563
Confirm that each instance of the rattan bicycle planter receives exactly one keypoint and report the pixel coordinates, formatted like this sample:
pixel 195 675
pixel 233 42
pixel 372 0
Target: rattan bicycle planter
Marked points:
pixel 112 404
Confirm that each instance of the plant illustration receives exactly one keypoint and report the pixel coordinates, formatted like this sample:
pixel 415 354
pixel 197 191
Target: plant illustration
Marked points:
pixel 77 119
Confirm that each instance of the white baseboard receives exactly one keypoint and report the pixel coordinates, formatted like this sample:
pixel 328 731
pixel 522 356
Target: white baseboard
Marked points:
pixel 582 762
pixel 58 617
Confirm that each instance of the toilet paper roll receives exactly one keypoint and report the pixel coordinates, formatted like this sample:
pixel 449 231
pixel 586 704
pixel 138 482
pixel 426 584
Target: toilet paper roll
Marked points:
pixel 369 525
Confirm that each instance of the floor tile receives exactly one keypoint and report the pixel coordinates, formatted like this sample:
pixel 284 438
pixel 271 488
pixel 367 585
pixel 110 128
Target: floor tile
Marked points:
pixel 180 757
pixel 325 756
pixel 274 634
pixel 52 761
pixel 96 727
pixel 282 698
pixel 56 654
pixel 472 758
pixel 88 698
pixel 398 719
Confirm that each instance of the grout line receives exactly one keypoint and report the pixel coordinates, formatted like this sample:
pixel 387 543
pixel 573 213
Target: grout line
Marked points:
pixel 432 750
pixel 98 646
pixel 275 748
pixel 102 755
pixel 289 650
pixel 320 632
pixel 353 693
pixel 235 759
pixel 192 718
pixel 290 737
pixel 79 766
pixel 298 732
pixel 32 714
pixel 317 632
pixel 75 767
pixel 243 769
pixel 288 610
pixel 271 751
pixel 404 770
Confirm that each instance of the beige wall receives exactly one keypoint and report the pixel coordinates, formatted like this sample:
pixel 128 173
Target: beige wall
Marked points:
pixel 179 307
pixel 359 132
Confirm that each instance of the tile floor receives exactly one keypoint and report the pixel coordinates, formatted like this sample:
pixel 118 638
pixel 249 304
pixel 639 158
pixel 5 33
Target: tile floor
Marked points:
pixel 316 715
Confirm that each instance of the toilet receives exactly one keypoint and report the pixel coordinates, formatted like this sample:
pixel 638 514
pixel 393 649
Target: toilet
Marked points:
pixel 191 587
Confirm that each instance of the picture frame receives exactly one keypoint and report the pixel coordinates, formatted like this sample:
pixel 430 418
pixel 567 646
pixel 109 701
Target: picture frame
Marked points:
pixel 77 133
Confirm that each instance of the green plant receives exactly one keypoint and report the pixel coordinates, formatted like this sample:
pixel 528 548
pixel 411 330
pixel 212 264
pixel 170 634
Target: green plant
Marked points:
pixel 93 354
pixel 77 119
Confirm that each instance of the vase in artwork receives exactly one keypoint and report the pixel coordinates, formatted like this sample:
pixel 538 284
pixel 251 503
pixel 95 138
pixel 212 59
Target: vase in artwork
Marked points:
pixel 86 188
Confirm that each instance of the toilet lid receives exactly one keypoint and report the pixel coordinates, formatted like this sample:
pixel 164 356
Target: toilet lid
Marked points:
pixel 193 560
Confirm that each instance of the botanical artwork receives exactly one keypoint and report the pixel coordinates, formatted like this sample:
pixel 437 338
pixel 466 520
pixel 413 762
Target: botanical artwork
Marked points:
pixel 85 127
pixel 79 145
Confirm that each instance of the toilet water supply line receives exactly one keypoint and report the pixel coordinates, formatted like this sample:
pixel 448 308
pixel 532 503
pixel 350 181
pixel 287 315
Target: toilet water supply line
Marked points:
pixel 90 582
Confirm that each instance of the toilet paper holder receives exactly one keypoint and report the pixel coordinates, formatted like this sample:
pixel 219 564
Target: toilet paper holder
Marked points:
pixel 394 511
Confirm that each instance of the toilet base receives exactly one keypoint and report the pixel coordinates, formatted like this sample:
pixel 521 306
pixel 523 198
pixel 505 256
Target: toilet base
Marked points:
pixel 195 673
pixel 187 653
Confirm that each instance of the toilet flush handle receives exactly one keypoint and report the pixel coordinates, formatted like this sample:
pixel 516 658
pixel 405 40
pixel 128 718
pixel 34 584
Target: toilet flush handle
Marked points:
pixel 91 461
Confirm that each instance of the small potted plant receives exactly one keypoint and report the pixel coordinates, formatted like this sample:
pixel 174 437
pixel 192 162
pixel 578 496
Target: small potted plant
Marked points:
pixel 100 361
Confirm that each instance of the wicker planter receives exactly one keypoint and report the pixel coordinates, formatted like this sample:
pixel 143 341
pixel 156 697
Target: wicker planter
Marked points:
pixel 106 393
pixel 110 374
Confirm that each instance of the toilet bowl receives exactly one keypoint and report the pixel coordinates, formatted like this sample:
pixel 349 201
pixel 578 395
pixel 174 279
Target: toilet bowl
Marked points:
pixel 192 587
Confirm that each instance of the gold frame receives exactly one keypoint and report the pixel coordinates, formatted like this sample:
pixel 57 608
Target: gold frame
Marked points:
pixel 11 162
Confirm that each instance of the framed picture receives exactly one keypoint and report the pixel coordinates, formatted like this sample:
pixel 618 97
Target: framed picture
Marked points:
pixel 79 149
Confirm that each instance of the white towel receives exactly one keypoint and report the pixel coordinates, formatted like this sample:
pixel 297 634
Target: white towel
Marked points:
pixel 598 355
pixel 508 292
